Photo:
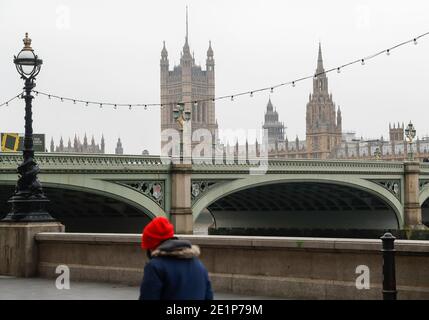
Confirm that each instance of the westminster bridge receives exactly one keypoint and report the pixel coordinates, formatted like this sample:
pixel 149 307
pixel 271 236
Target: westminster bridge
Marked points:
pixel 111 193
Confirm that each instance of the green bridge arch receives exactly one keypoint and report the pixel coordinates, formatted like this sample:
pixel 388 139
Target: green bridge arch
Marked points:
pixel 88 184
pixel 227 188
pixel 424 194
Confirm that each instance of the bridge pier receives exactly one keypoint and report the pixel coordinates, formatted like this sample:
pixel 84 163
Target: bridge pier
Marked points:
pixel 181 210
pixel 412 208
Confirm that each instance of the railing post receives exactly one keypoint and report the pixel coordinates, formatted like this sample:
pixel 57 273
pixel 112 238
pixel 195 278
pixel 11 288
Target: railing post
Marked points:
pixel 389 272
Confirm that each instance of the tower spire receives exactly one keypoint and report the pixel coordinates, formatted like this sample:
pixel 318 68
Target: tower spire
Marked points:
pixel 269 105
pixel 186 50
pixel 164 52
pixel 186 24
pixel 320 60
pixel 210 50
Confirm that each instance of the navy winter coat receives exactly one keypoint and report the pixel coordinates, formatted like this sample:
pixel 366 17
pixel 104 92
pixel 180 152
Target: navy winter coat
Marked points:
pixel 175 273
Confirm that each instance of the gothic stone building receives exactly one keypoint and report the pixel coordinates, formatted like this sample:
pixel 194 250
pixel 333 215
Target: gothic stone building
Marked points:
pixel 85 147
pixel 396 148
pixel 325 138
pixel 272 126
pixel 78 146
pixel 323 124
pixel 188 82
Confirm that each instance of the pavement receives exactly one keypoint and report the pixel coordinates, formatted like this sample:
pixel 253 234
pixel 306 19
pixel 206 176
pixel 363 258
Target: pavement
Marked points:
pixel 12 288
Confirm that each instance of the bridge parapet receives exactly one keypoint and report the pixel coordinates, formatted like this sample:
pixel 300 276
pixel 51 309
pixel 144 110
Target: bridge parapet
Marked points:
pixel 424 168
pixel 87 162
pixel 66 162
pixel 301 165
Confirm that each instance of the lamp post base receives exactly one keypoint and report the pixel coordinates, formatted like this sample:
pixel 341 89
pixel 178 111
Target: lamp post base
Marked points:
pixel 18 248
pixel 28 209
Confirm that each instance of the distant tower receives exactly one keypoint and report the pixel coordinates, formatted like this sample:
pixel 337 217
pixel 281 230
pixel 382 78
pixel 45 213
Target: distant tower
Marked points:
pixel 396 133
pixel 52 149
pixel 61 148
pixel 102 145
pixel 275 129
pixel 75 143
pixel 323 124
pixel 85 143
pixel 119 149
pixel 187 82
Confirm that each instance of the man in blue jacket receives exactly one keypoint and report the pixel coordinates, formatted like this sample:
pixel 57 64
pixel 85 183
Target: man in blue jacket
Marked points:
pixel 174 271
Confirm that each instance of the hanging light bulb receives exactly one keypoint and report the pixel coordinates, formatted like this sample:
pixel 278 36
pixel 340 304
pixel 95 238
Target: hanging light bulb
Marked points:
pixel 363 62
pixel 130 107
pixel 251 94
pixel 145 106
pixel 37 93
pixel 293 84
pixel 61 99
pixel 7 103
pixel 115 107
pixel 86 104
pixel 415 41
pixel 101 105
pixel 388 52
pixel 272 90
pixel 338 70
pixel 232 98
pixel 74 101
pixel 49 96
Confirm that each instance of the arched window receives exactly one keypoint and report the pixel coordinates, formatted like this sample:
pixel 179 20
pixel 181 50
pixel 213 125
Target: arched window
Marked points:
pixel 204 113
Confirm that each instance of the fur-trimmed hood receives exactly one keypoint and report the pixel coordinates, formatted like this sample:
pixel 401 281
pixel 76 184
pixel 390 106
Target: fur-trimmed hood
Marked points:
pixel 181 249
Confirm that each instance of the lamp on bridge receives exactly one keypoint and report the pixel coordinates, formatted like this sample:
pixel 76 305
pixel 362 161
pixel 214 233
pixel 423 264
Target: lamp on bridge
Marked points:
pixel 181 116
pixel 377 153
pixel 410 133
pixel 28 202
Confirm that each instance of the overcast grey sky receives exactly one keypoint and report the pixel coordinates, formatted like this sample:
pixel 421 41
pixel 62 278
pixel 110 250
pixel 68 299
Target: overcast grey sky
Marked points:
pixel 110 51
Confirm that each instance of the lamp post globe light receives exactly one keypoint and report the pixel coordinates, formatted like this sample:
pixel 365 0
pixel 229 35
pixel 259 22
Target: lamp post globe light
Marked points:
pixel 181 116
pixel 410 133
pixel 28 202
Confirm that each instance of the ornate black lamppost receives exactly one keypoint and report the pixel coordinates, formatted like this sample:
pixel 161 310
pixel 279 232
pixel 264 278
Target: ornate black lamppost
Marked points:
pixel 28 202
pixel 181 116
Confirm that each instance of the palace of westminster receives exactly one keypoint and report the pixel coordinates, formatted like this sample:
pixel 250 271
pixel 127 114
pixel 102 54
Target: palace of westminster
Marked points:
pixel 325 138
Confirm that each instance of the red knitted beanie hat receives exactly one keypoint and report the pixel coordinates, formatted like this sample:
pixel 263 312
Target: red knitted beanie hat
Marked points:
pixel 158 230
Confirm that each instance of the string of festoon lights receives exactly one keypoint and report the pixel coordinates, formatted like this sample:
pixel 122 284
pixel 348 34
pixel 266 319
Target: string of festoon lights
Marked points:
pixel 6 103
pixel 250 93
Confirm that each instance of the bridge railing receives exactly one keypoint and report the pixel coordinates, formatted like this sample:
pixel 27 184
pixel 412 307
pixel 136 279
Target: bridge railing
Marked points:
pixel 424 168
pixel 299 164
pixel 70 161
pixel 108 162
